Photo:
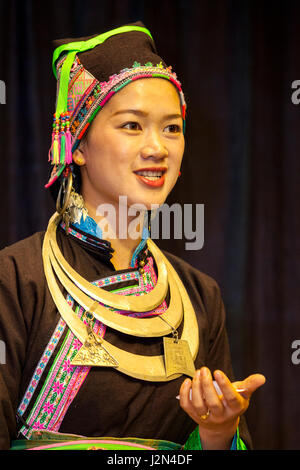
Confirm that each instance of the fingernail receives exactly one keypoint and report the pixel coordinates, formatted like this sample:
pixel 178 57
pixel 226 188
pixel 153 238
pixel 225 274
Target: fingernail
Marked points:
pixel 204 372
pixel 218 374
pixel 187 383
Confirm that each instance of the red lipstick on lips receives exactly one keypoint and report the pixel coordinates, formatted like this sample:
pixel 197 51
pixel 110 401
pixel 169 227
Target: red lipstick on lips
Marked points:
pixel 153 183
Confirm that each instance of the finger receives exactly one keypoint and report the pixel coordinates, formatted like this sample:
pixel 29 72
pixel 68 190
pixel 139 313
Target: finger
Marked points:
pixel 197 399
pixel 185 393
pixel 232 398
pixel 211 398
pixel 185 401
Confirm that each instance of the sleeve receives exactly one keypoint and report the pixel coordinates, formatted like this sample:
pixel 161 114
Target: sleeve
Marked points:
pixel 217 354
pixel 17 296
pixel 13 334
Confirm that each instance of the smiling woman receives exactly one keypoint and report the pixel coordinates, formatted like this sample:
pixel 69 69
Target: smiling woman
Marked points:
pixel 135 325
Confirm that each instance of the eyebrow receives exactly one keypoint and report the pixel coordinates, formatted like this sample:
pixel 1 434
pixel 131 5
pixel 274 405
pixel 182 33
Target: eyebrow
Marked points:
pixel 138 112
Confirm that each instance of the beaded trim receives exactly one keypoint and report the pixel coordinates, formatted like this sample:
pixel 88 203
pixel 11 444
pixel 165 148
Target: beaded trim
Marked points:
pixel 88 238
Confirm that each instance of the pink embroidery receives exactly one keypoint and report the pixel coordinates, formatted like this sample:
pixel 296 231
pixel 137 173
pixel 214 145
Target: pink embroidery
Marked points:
pixel 48 407
pixel 67 367
pixel 64 381
pixel 38 425
pixel 77 344
pixel 58 387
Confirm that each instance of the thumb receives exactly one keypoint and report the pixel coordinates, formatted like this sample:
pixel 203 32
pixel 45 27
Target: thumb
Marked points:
pixel 250 384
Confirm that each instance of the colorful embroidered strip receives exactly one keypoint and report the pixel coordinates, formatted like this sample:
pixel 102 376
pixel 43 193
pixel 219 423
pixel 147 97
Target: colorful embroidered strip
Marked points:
pixel 63 380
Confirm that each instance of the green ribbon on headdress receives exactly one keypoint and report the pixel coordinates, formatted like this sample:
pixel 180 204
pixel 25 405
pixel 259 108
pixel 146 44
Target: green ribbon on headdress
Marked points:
pixel 79 46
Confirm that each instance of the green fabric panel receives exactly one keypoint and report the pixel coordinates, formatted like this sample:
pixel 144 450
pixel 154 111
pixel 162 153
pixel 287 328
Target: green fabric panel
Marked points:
pixel 65 442
pixel 240 445
pixel 194 441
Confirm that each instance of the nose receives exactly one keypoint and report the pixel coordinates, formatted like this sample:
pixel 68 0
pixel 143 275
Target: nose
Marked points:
pixel 154 146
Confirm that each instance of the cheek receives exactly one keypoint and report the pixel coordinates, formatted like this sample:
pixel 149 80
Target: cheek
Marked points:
pixel 178 151
pixel 107 164
pixel 110 148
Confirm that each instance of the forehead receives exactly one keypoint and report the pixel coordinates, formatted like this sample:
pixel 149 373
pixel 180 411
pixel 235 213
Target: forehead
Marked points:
pixel 146 93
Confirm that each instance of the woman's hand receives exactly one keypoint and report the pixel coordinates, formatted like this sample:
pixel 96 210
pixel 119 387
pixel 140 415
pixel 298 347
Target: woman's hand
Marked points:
pixel 217 415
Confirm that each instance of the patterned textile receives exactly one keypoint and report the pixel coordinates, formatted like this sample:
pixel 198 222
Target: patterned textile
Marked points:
pixel 89 232
pixel 63 380
pixel 57 441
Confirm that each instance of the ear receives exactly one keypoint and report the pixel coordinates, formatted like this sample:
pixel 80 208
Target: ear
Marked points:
pixel 78 157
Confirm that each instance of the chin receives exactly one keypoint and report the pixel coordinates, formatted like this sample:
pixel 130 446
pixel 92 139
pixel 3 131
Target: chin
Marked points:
pixel 147 203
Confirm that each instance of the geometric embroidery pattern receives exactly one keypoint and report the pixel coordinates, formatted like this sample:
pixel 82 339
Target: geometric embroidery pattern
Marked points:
pixel 64 380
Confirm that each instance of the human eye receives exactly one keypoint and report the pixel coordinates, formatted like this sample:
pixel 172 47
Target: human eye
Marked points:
pixel 173 128
pixel 132 126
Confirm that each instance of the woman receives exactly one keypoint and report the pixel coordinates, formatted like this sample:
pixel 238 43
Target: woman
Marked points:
pixel 103 330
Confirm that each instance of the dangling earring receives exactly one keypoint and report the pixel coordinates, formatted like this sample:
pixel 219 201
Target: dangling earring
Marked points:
pixel 65 189
pixel 72 208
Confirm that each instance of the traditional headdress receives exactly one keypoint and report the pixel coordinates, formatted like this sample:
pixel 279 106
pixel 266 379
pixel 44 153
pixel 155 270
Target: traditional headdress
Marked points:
pixel 89 72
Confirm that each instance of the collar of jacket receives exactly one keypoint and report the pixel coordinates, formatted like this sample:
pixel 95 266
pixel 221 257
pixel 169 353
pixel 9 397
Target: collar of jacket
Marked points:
pixel 89 235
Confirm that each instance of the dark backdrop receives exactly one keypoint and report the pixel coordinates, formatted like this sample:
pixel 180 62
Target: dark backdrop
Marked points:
pixel 237 60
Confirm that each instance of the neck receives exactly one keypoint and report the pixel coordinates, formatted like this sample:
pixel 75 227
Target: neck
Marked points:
pixel 124 232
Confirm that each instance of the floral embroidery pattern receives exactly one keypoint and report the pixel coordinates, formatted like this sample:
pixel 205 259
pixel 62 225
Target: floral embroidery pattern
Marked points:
pixel 41 366
pixel 48 407
pixel 63 380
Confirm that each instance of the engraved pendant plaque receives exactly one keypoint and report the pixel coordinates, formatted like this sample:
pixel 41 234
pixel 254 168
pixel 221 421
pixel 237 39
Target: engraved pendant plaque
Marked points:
pixel 178 358
pixel 92 353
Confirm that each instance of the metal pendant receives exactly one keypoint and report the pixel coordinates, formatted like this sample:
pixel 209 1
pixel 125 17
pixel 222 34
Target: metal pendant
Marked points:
pixel 92 353
pixel 149 368
pixel 178 358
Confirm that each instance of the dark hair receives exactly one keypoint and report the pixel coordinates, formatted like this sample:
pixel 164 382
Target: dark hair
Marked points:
pixel 54 188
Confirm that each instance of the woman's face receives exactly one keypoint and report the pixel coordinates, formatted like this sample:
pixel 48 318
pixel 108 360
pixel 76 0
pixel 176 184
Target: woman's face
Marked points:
pixel 138 130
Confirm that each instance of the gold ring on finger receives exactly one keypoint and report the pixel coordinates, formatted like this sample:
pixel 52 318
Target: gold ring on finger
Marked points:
pixel 204 417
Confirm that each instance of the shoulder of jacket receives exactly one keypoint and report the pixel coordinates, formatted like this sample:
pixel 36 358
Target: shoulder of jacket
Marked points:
pixel 23 246
pixel 183 267
pixel 24 255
